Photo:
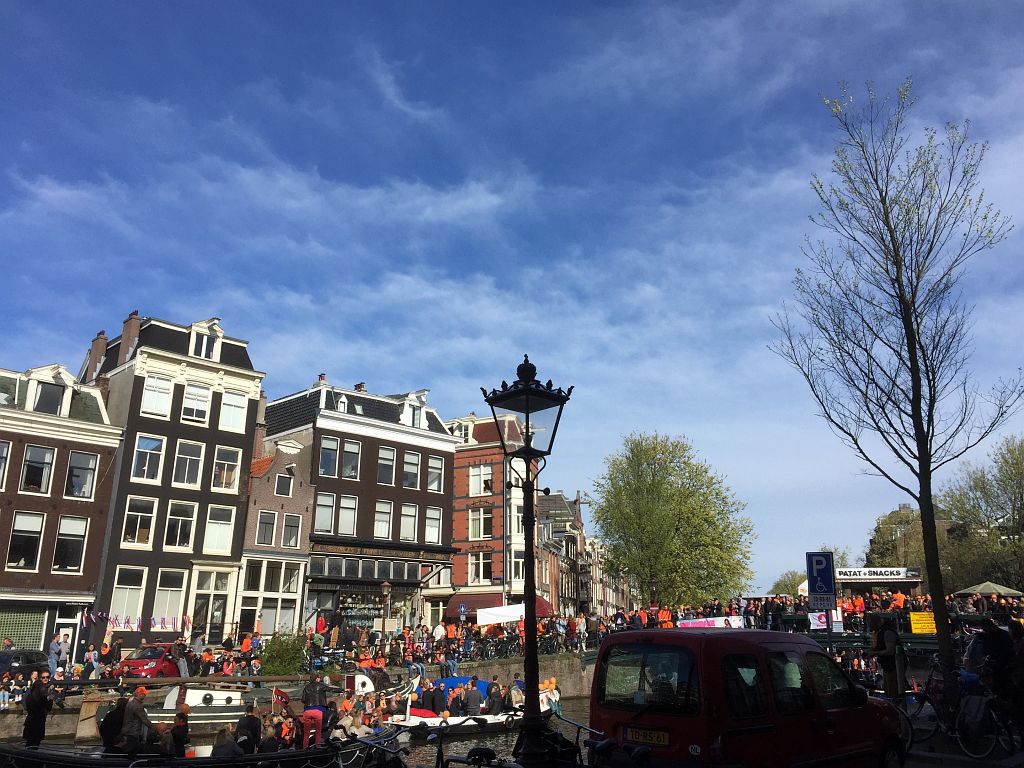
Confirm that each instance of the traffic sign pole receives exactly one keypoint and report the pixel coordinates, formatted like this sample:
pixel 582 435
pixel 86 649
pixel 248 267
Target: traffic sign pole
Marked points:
pixel 821 587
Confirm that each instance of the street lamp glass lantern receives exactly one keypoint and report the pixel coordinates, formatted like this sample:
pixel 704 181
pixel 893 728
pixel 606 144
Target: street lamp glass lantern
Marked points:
pixel 526 413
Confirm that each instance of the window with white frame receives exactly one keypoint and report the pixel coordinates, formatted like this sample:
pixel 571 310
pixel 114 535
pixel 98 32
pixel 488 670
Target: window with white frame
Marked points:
pixel 407 529
pixel 37 469
pixel 181 516
pixel 26 536
pixel 350 460
pixel 149 456
pixel 81 482
pixel 480 480
pixel 386 465
pixel 265 526
pixel 138 523
pixel 69 551
pixel 432 534
pixel 479 567
pixel 347 515
pixel 328 456
pixel 290 531
pixel 518 565
pixel 219 524
pixel 204 345
pixel 225 468
pixel 156 396
pixel 290 579
pixel 481 523
pixel 195 406
pixel 323 517
pixel 170 593
pixel 188 464
pixel 126 599
pixel 416 415
pixel 49 398
pixel 233 410
pixel 517 519
pixel 253 576
pixel 382 520
pixel 272 576
pixel 435 474
pixel 411 470
pixel 283 485
pixel 5 455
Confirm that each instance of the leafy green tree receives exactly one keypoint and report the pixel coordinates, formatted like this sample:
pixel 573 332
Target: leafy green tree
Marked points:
pixel 669 522
pixel 788 583
pixel 880 331
pixel 283 654
pixel 840 555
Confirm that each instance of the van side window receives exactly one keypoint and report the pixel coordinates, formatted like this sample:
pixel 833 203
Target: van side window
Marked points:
pixel 744 686
pixel 789 686
pixel 835 690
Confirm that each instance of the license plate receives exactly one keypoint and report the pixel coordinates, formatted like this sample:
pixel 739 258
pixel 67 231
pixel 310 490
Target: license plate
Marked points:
pixel 646 736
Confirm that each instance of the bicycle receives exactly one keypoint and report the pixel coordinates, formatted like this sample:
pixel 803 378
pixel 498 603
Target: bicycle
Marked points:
pixel 969 719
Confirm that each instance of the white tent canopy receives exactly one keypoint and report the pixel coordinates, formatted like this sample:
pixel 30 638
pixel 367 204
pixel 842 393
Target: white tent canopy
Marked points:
pixel 502 614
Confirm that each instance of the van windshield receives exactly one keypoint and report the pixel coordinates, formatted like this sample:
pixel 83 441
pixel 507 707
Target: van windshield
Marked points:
pixel 656 678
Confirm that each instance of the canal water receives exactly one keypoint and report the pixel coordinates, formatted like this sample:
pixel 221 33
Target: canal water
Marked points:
pixel 501 742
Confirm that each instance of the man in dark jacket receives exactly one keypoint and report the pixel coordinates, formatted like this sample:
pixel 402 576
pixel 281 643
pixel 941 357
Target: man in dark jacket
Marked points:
pixel 314 700
pixel 494 702
pixel 110 727
pixel 37 707
pixel 472 699
pixel 247 730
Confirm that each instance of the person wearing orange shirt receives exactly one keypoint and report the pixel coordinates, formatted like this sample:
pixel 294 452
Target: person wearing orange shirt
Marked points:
pixel 246 645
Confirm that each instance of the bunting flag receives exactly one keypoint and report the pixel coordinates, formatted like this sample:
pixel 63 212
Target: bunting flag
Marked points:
pixel 128 624
pixel 116 622
pixel 174 623
pixel 138 622
pixel 92 617
pixel 152 622
pixel 83 619
pixel 163 623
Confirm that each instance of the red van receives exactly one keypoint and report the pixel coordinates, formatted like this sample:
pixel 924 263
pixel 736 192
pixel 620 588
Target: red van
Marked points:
pixel 150 661
pixel 737 697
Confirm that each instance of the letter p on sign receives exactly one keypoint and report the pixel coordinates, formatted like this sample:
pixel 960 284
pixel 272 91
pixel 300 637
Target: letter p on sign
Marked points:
pixel 821 581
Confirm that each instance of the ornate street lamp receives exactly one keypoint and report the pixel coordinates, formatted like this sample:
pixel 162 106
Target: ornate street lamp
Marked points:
pixel 385 589
pixel 526 414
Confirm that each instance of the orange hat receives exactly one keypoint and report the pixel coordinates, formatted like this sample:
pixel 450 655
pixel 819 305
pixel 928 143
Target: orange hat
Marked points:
pixel 141 691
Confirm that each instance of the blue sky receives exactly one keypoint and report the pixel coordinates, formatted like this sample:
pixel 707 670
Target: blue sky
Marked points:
pixel 414 194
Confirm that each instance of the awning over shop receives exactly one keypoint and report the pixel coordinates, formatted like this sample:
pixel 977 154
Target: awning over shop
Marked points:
pixel 472 602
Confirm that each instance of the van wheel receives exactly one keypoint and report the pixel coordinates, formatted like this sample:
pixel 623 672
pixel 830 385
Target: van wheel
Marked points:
pixel 891 757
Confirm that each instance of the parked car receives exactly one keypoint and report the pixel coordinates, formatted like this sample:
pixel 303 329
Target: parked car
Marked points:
pixel 153 660
pixel 737 697
pixel 22 661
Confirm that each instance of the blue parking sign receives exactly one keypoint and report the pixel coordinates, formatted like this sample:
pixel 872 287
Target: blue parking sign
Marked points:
pixel 821 581
pixel 462 609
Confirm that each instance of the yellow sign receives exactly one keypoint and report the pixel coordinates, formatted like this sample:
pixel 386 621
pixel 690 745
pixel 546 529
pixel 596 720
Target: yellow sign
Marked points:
pixel 922 622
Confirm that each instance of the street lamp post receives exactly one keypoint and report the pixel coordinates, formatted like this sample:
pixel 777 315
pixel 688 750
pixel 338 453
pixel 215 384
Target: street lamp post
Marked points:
pixel 385 590
pixel 526 414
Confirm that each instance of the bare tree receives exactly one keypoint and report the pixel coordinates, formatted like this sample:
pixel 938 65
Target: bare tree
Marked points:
pixel 879 330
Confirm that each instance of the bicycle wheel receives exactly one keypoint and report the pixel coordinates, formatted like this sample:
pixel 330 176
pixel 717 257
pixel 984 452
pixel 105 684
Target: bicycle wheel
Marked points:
pixel 906 730
pixel 1010 737
pixel 977 734
pixel 924 721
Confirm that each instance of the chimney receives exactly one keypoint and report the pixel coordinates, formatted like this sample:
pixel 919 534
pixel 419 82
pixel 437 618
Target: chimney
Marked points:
pixel 360 387
pixel 261 427
pixel 97 352
pixel 129 337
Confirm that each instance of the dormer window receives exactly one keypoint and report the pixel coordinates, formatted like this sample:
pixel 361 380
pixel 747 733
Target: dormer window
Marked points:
pixel 49 398
pixel 203 346
pixel 415 415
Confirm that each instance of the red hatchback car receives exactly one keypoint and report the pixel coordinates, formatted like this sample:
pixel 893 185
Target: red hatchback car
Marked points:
pixel 150 661
pixel 740 698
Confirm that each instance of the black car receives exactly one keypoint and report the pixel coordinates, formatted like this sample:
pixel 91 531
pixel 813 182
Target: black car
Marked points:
pixel 23 661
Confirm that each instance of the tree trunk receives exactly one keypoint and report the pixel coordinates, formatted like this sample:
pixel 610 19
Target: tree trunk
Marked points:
pixel 943 633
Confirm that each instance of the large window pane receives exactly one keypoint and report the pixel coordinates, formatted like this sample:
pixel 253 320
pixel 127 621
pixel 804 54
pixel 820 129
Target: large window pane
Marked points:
pixel 272 576
pixel 149 451
pixel 180 517
pixel 37 469
pixel 265 528
pixel 382 520
pixel 290 531
pixel 411 471
pixel 138 521
pixel 435 473
pixel 408 524
pixel 791 691
pixel 328 456
pixel 657 677
pixel 253 575
pixel 323 519
pixel 26 534
pixel 347 515
pixel 233 408
pixel 81 475
pixel 350 461
pixel 48 398
pixel 126 599
pixel 156 396
pixel 225 468
pixel 433 532
pixel 170 593
pixel 196 403
pixel 290 582
pixel 188 463
pixel 386 465
pixel 744 686
pixel 219 524
pixel 69 551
